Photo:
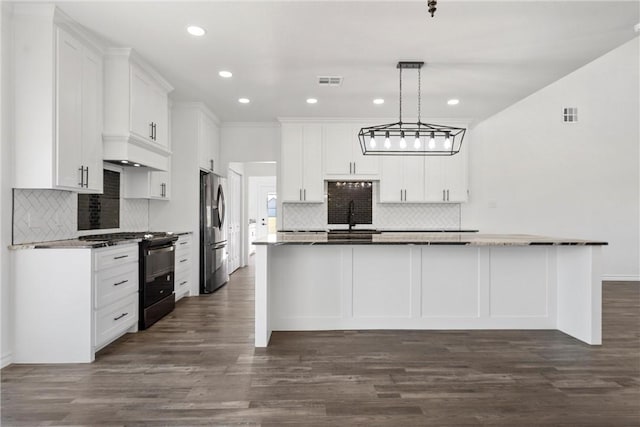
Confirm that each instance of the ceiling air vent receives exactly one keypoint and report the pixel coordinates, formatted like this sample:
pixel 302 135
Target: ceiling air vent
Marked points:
pixel 330 81
pixel 570 114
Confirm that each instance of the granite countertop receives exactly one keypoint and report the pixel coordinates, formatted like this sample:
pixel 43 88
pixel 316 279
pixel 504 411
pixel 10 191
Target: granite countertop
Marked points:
pixel 74 244
pixel 419 238
pixel 83 244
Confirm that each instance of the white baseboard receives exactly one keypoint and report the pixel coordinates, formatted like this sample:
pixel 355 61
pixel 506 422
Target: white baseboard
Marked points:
pixel 620 278
pixel 6 360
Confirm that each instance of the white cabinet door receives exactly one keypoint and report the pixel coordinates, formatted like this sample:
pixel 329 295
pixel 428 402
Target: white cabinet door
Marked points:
pixel 215 148
pixel 291 170
pixel 413 178
pixel 391 180
pixel 435 190
pixel 313 185
pixel 92 119
pixel 337 149
pixel 159 185
pixel 160 116
pixel 69 112
pixel 456 177
pixel 363 165
pixel 207 137
pixel 141 104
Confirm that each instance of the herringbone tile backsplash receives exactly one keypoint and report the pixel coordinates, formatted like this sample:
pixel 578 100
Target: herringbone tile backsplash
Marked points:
pixel 44 215
pixel 391 216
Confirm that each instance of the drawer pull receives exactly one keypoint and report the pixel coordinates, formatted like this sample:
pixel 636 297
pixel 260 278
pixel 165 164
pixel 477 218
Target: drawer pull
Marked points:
pixel 183 283
pixel 183 243
pixel 120 317
pixel 121 256
pixel 120 282
pixel 184 260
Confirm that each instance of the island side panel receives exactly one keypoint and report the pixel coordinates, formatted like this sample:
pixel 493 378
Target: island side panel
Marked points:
pixel 54 303
pixel 580 292
pixel 262 321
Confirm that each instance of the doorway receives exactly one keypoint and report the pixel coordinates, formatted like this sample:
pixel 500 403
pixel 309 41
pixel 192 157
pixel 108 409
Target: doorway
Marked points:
pixel 262 208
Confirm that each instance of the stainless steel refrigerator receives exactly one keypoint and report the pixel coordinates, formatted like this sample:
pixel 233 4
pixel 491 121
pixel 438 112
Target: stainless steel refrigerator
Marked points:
pixel 213 236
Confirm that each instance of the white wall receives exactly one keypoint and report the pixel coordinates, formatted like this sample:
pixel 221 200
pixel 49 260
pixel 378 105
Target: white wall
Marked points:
pixel 6 294
pixel 249 142
pixel 532 173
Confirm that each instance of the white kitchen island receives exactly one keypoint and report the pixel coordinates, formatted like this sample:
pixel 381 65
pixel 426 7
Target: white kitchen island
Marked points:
pixel 393 280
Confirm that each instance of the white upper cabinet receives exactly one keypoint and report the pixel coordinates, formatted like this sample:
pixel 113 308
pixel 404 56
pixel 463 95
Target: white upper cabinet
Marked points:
pixel 136 117
pixel 342 154
pixel 446 178
pixel 58 103
pixel 208 142
pixel 301 166
pixel 402 179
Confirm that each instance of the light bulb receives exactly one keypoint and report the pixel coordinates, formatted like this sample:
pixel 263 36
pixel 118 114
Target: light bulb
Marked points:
pixel 432 141
pixel 416 143
pixel 447 141
pixel 372 140
pixel 387 141
pixel 403 143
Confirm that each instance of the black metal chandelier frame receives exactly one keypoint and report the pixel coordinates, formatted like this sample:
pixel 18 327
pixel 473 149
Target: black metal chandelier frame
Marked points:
pixel 413 138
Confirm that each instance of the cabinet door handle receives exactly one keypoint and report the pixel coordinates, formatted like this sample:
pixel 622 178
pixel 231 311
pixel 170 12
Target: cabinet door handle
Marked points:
pixel 443 198
pixel 183 243
pixel 184 260
pixel 86 181
pixel 120 317
pixel 350 168
pixel 81 183
pixel 304 192
pixel 211 163
pixel 183 283
pixel 354 168
pixel 120 282
pixel 151 130
pixel 155 129
pixel 300 194
pixel 447 195
pixel 121 256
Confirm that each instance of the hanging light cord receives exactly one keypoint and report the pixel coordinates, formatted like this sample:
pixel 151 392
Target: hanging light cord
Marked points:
pixel 419 92
pixel 400 96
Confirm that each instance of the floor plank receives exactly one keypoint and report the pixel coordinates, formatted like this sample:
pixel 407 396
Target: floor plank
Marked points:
pixel 198 366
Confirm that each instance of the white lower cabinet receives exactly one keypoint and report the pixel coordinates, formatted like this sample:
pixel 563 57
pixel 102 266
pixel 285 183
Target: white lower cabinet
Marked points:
pixel 183 276
pixel 71 302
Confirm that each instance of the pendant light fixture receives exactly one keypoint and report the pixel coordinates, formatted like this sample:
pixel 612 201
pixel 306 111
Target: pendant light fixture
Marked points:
pixel 427 139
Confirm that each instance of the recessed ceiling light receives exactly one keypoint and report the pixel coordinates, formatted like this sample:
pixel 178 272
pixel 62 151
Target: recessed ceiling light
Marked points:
pixel 453 101
pixel 378 101
pixel 225 74
pixel 124 161
pixel 312 101
pixel 244 100
pixel 136 165
pixel 194 30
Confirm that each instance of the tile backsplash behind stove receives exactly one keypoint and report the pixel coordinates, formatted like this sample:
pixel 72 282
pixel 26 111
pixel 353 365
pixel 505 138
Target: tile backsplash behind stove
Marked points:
pixel 44 215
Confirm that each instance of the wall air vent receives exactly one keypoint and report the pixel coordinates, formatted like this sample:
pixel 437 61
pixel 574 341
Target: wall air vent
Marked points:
pixel 329 80
pixel 570 114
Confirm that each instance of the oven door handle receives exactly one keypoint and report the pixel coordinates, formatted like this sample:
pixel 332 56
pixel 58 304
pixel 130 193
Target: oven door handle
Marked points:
pixel 161 249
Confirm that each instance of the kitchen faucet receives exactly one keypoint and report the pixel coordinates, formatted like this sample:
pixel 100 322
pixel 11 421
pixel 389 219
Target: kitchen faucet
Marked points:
pixel 352 215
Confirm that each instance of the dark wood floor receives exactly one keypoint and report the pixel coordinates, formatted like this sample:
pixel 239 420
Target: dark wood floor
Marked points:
pixel 198 367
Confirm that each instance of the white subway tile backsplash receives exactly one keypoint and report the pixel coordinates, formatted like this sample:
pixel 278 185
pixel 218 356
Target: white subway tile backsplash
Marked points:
pixel 44 215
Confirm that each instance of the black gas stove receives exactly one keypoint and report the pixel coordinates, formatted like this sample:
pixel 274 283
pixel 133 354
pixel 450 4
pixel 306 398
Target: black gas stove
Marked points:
pixel 156 263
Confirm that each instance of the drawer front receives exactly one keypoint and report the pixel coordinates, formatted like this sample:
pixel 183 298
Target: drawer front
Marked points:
pixel 182 283
pixel 115 283
pixel 183 262
pixel 113 320
pixel 118 255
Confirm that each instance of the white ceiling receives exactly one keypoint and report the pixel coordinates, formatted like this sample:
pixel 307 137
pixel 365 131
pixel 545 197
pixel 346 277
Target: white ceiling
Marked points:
pixel 487 54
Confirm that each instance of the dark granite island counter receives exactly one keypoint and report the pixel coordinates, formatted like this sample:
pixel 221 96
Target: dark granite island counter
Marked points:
pixel 395 280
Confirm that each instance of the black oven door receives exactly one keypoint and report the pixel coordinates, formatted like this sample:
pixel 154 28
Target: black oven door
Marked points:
pixel 159 273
